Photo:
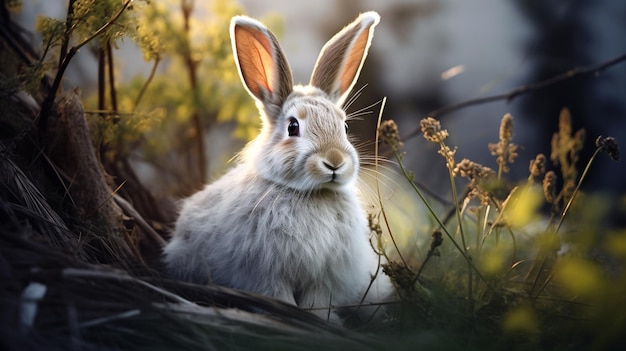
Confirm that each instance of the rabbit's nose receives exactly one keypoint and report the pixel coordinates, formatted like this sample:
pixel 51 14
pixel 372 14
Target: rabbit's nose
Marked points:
pixel 333 159
pixel 332 167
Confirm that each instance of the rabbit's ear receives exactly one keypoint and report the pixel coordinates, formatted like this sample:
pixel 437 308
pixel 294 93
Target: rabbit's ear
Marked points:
pixel 341 59
pixel 261 63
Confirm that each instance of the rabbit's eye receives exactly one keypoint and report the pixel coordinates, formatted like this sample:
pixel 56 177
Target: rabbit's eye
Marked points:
pixel 346 125
pixel 294 127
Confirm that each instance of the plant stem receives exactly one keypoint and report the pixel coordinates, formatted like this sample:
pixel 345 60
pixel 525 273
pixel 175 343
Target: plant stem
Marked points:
pixel 146 83
pixel 561 220
pixel 441 225
pixel 480 226
pixel 455 199
pixel 380 202
pixel 571 200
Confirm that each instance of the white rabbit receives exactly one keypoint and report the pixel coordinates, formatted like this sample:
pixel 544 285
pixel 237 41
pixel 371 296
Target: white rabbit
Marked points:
pixel 287 221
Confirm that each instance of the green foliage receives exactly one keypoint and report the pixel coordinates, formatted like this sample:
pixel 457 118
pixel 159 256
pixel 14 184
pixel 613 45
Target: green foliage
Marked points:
pixel 86 20
pixel 51 30
pixel 155 113
pixel 159 112
pixel 193 86
pixel 89 16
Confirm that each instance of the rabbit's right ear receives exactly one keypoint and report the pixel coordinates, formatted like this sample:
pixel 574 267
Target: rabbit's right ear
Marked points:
pixel 261 63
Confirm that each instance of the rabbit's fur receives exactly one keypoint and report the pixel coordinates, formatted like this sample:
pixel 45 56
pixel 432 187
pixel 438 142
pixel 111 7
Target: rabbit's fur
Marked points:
pixel 287 221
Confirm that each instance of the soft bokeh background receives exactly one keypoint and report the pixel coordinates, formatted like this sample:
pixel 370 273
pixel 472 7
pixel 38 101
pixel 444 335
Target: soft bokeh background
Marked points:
pixel 426 55
pixel 498 45
pixel 492 45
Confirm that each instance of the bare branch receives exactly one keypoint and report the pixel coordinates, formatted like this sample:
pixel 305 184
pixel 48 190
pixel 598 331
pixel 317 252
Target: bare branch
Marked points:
pixel 521 90
pixel 187 7
pixel 144 87
pixel 139 220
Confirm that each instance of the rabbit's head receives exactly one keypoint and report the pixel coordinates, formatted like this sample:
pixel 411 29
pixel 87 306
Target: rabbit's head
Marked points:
pixel 304 143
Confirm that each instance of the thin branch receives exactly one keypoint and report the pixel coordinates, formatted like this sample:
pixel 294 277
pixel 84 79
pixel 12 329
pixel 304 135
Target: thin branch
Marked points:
pixel 187 7
pixel 95 210
pixel 524 89
pixel 103 28
pixel 108 319
pixel 146 83
pixel 139 220
pixel 101 80
pixel 69 23
pixel 111 73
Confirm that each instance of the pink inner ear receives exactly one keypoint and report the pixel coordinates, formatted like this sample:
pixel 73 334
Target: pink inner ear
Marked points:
pixel 353 61
pixel 254 52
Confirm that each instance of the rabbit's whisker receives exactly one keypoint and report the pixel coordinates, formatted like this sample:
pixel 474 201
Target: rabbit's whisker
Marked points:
pixel 354 97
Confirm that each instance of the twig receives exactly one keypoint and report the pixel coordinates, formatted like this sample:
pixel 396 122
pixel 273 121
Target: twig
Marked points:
pixel 144 87
pixel 139 220
pixel 108 319
pixel 105 201
pixel 110 68
pixel 366 304
pixel 521 90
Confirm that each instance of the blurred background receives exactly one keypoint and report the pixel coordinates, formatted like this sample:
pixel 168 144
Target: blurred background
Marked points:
pixel 494 46
pixel 165 112
pixel 429 54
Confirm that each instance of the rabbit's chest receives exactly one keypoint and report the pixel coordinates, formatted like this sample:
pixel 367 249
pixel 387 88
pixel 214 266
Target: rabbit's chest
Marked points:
pixel 312 237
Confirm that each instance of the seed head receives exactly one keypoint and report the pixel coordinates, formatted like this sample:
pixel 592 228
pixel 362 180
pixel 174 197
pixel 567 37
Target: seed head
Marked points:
pixel 506 128
pixel 505 151
pixel 390 135
pixel 549 187
pixel 473 170
pixel 478 175
pixel 431 129
pixel 538 166
pixel 609 145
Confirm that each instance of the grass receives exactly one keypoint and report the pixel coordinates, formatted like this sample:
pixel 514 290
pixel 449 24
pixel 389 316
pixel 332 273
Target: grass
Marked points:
pixel 501 277
pixel 493 276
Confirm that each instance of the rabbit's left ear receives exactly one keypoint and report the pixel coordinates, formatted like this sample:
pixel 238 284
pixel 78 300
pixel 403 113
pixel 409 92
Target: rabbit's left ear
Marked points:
pixel 340 61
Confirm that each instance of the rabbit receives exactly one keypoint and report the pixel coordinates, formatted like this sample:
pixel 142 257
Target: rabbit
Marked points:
pixel 287 221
